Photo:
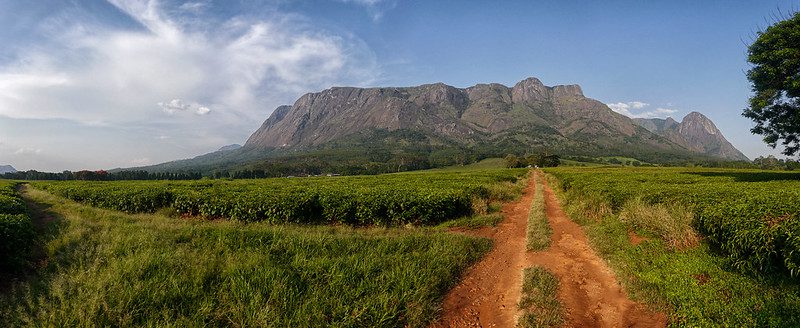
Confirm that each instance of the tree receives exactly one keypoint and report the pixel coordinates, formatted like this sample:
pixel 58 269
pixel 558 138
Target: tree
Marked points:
pixel 775 78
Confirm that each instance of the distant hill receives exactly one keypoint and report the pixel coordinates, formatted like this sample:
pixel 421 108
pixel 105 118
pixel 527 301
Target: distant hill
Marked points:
pixel 433 125
pixel 695 132
pixel 7 169
pixel 230 147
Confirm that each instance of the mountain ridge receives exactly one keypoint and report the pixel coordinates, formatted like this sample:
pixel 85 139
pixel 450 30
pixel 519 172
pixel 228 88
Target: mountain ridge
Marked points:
pixel 695 132
pixel 464 114
pixel 7 169
pixel 369 130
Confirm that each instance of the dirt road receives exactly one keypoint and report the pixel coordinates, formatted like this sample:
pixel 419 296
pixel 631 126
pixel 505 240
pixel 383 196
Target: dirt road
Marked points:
pixel 588 289
pixel 487 295
pixel 489 292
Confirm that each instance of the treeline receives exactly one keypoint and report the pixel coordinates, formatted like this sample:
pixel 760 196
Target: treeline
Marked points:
pixel 541 160
pixel 100 175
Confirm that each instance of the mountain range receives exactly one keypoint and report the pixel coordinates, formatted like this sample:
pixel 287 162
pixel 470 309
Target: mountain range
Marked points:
pixel 695 132
pixel 437 124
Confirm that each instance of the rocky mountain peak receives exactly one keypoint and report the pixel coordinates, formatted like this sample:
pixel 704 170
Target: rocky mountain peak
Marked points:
pixel 696 123
pixel 695 132
pixel 533 90
pixel 566 91
pixel 530 89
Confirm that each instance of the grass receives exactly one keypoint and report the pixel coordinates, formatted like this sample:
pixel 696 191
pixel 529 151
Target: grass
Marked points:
pixel 107 268
pixel 473 221
pixel 539 230
pixel 671 222
pixel 484 164
pixel 691 283
pixel 539 303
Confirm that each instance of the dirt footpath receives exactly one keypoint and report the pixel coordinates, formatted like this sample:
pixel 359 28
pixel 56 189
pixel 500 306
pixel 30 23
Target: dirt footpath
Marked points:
pixel 489 292
pixel 588 288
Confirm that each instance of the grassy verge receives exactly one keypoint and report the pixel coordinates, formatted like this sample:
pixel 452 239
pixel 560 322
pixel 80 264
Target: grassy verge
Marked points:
pixel 674 272
pixel 539 303
pixel 473 221
pixel 486 213
pixel 539 230
pixel 106 268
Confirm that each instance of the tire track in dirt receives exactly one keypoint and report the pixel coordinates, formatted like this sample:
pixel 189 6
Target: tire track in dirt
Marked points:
pixel 588 289
pixel 488 293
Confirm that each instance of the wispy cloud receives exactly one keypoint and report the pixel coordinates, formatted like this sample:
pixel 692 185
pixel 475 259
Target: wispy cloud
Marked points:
pixel 639 109
pixel 375 8
pixel 178 105
pixel 172 59
pixel 28 151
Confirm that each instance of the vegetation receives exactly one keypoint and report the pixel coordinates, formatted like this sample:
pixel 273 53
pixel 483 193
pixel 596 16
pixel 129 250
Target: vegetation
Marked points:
pixel 107 268
pixel 16 229
pixel 421 198
pixel 775 104
pixel 741 274
pixel 539 303
pixel 539 230
pixel 99 175
pixel 751 216
pixel 541 160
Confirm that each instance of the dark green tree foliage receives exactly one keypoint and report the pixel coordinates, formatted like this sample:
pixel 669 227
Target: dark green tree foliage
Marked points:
pixel 775 78
pixel 541 160
pixel 101 175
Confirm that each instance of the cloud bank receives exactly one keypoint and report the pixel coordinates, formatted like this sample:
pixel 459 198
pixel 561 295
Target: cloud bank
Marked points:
pixel 168 61
pixel 639 109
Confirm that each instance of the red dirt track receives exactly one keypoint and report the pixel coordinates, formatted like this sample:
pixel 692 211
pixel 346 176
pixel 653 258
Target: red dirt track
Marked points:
pixel 488 294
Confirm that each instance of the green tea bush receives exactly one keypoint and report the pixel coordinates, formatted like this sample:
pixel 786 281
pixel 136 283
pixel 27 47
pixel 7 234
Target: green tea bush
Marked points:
pixel 16 240
pixel 16 229
pixel 421 198
pixel 752 217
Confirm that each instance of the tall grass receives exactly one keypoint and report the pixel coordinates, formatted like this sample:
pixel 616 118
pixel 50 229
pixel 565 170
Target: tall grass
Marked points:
pixel 539 304
pixel 671 222
pixel 539 230
pixel 106 268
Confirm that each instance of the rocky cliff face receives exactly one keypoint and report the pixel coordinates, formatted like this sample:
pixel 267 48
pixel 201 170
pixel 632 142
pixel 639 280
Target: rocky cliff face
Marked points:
pixel 528 113
pixel 695 132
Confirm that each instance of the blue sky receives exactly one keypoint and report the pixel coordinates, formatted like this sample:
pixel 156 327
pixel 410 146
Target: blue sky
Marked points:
pixel 118 83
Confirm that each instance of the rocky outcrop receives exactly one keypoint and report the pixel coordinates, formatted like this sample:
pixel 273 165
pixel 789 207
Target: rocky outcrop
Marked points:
pixel 695 132
pixel 528 112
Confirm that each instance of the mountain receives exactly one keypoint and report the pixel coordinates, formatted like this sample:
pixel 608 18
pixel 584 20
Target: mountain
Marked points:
pixel 695 132
pixel 230 147
pixel 371 130
pixel 7 169
pixel 528 115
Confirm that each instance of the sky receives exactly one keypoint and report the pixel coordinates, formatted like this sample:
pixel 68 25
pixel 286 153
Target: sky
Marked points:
pixel 103 84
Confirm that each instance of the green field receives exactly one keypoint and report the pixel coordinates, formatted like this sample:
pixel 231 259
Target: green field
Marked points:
pixel 722 245
pixel 389 200
pixel 104 267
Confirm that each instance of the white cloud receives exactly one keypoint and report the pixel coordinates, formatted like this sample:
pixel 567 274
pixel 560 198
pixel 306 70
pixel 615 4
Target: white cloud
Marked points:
pixel 194 6
pixel 375 8
pixel 242 67
pixel 638 109
pixel 180 60
pixel 177 105
pixel 638 104
pixel 27 151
